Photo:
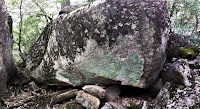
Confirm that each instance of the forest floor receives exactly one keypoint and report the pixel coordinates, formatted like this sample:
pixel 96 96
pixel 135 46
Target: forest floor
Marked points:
pixel 35 97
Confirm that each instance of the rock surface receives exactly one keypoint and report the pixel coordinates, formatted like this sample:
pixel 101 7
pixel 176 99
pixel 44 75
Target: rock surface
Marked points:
pixel 88 101
pixel 95 90
pixel 133 103
pixel 101 43
pixel 65 96
pixel 72 105
pixel 179 73
pixel 175 97
pixel 112 105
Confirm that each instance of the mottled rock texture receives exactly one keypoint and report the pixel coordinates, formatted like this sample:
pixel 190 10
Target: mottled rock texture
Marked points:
pixel 175 97
pixel 179 73
pixel 88 101
pixel 65 96
pixel 95 90
pixel 112 105
pixel 7 66
pixel 104 42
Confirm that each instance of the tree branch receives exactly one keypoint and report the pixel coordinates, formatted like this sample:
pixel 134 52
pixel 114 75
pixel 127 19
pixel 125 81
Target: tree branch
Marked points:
pixel 48 18
pixel 20 33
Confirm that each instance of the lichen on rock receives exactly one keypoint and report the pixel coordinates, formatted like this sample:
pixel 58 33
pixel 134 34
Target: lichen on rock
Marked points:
pixel 173 96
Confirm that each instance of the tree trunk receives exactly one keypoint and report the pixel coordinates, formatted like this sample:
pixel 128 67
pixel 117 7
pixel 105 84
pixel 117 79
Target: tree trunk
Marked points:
pixel 197 20
pixel 7 66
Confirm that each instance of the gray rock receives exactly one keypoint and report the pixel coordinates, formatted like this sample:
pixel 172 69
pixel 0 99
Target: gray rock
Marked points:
pixel 88 101
pixel 179 73
pixel 174 97
pixel 95 90
pixel 72 105
pixel 112 105
pixel 145 105
pixel 195 63
pixel 64 96
pixel 132 102
pixel 117 40
pixel 196 82
pixel 32 85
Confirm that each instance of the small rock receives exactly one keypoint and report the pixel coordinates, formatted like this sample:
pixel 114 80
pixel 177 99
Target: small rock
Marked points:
pixel 112 93
pixel 87 100
pixel 32 86
pixel 95 90
pixel 58 106
pixel 194 63
pixel 112 105
pixel 133 103
pixel 72 105
pixel 64 96
pixel 145 105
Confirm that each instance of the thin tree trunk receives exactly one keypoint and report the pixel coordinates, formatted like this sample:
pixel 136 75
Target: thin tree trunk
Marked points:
pixel 197 20
pixel 197 23
pixel 20 33
pixel 8 69
pixel 173 8
pixel 48 18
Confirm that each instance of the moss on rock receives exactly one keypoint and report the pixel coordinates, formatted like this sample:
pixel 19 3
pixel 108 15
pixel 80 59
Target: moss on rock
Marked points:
pixel 185 52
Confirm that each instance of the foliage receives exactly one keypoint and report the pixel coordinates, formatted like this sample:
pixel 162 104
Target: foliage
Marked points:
pixel 184 16
pixel 90 0
pixel 35 15
pixel 62 1
pixel 31 29
pixel 182 13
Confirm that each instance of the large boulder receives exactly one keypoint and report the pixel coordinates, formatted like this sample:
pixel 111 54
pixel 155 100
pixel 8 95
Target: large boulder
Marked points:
pixel 7 66
pixel 106 42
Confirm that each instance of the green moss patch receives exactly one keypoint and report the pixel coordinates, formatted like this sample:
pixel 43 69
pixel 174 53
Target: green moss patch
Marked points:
pixel 110 67
pixel 187 51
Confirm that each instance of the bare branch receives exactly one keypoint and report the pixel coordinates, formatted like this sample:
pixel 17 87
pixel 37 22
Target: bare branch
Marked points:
pixel 20 32
pixel 48 18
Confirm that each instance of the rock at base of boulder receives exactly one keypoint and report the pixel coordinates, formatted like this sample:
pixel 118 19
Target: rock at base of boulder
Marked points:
pixel 87 100
pixel 172 96
pixel 133 103
pixel 112 105
pixel 72 105
pixel 179 73
pixel 65 96
pixel 95 90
